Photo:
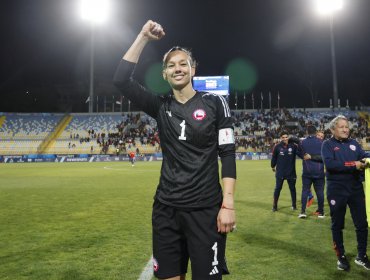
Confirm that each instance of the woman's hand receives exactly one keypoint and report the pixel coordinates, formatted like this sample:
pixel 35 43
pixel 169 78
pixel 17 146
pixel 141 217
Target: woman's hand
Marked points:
pixel 152 30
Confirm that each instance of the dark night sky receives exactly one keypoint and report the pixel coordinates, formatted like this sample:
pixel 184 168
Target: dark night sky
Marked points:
pixel 45 46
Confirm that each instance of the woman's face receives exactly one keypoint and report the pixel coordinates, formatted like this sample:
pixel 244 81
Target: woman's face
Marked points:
pixel 341 130
pixel 178 71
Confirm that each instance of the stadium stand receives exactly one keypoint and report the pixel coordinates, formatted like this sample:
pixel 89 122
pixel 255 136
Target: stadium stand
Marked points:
pixel 117 133
pixel 24 133
pixel 104 133
pixel 23 126
pixel 259 131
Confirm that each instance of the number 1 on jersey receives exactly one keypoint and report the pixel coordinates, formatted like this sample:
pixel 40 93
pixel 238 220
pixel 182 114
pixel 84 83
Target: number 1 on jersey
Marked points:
pixel 214 248
pixel 182 136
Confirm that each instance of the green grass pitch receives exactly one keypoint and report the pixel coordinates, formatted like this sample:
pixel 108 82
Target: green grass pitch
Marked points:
pixel 93 221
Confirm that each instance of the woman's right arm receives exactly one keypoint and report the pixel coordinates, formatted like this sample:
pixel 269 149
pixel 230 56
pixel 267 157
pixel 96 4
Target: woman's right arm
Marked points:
pixel 123 76
pixel 151 31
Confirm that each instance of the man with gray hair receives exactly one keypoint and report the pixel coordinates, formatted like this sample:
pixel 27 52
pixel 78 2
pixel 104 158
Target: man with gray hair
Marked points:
pixel 344 161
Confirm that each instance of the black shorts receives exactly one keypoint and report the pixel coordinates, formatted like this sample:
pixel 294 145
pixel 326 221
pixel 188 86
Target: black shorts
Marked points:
pixel 182 234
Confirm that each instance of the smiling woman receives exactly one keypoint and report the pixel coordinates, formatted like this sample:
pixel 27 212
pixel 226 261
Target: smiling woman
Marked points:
pixel 195 128
pixel 178 71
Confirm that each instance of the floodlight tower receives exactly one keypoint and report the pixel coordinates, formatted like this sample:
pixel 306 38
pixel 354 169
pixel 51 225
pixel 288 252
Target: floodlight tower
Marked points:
pixel 329 8
pixel 96 12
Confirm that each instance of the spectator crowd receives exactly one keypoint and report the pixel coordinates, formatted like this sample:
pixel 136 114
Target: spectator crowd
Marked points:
pixel 256 131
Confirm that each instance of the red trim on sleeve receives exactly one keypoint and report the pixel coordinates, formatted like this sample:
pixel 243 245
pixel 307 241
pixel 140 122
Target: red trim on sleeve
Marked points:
pixel 349 163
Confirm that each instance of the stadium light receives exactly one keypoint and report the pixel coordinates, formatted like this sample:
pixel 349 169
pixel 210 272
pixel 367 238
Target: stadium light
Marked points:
pixel 329 8
pixel 96 12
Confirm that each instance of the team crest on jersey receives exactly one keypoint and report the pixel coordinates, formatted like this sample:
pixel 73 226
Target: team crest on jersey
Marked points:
pixel 332 202
pixel 336 149
pixel 155 265
pixel 352 147
pixel 199 115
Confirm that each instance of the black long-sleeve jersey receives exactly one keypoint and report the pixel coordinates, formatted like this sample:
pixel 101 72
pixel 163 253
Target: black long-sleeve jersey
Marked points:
pixel 192 137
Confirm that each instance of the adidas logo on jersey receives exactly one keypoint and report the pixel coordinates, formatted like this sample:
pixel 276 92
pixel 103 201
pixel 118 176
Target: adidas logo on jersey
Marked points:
pixel 214 271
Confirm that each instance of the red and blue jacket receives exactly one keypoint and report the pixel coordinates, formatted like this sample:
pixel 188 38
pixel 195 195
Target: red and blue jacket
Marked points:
pixel 339 157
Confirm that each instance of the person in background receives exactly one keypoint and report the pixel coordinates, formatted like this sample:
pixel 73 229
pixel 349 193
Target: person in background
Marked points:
pixel 320 134
pixel 310 200
pixel 313 171
pixel 192 213
pixel 344 162
pixel 283 164
pixel 132 158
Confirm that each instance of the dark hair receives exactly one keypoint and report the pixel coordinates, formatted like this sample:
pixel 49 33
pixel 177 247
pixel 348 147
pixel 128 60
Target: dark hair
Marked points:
pixel 178 48
pixel 311 129
pixel 283 133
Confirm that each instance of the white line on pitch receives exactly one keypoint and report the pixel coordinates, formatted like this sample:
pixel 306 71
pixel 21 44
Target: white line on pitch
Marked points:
pixel 147 272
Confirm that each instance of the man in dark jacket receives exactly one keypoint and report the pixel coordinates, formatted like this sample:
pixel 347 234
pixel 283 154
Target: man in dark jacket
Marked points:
pixel 343 158
pixel 313 171
pixel 283 164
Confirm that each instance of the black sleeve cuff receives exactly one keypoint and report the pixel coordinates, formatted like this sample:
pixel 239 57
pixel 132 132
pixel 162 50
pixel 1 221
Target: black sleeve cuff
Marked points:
pixel 228 168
